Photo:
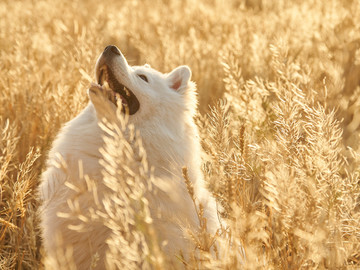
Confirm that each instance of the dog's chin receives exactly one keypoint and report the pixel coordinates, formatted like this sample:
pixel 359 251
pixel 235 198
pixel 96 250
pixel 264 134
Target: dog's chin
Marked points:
pixel 99 97
pixel 117 92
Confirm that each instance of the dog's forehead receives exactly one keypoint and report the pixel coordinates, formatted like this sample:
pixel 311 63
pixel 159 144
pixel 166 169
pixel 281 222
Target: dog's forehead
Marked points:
pixel 147 70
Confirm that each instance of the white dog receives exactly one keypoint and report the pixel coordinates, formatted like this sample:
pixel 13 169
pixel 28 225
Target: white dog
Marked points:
pixel 161 107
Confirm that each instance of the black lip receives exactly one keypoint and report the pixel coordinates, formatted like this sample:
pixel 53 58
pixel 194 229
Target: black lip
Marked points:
pixel 131 100
pixel 100 76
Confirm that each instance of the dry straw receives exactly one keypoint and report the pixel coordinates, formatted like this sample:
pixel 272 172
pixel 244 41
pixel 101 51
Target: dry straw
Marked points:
pixel 282 144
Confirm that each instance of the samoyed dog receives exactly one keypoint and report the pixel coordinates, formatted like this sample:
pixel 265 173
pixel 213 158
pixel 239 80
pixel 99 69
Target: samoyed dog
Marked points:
pixel 161 108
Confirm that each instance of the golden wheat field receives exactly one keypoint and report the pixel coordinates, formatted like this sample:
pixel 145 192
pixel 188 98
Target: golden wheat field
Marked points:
pixel 279 115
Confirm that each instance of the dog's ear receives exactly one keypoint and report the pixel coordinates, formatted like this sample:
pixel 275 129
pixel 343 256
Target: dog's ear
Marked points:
pixel 179 78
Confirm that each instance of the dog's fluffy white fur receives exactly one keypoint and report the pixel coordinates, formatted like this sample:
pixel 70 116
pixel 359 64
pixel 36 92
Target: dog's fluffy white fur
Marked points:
pixel 170 138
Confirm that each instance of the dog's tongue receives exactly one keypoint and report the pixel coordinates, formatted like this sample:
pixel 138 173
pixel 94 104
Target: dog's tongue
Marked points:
pixel 123 100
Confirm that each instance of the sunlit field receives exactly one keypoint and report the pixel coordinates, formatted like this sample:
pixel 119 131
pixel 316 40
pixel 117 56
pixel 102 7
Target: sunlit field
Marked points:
pixel 279 115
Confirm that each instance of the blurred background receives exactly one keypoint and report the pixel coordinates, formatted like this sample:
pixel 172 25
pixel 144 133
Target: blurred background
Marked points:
pixel 254 54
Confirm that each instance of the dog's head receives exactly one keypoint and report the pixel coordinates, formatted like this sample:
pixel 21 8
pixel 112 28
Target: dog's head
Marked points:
pixel 141 91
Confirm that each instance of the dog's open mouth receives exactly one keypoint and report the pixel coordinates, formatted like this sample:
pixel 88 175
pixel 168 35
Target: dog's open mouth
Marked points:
pixel 118 91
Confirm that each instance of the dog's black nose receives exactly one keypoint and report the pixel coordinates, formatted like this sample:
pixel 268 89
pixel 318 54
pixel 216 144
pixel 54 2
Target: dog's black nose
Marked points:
pixel 113 49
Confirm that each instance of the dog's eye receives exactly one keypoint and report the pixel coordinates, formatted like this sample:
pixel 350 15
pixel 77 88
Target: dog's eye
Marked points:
pixel 143 77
